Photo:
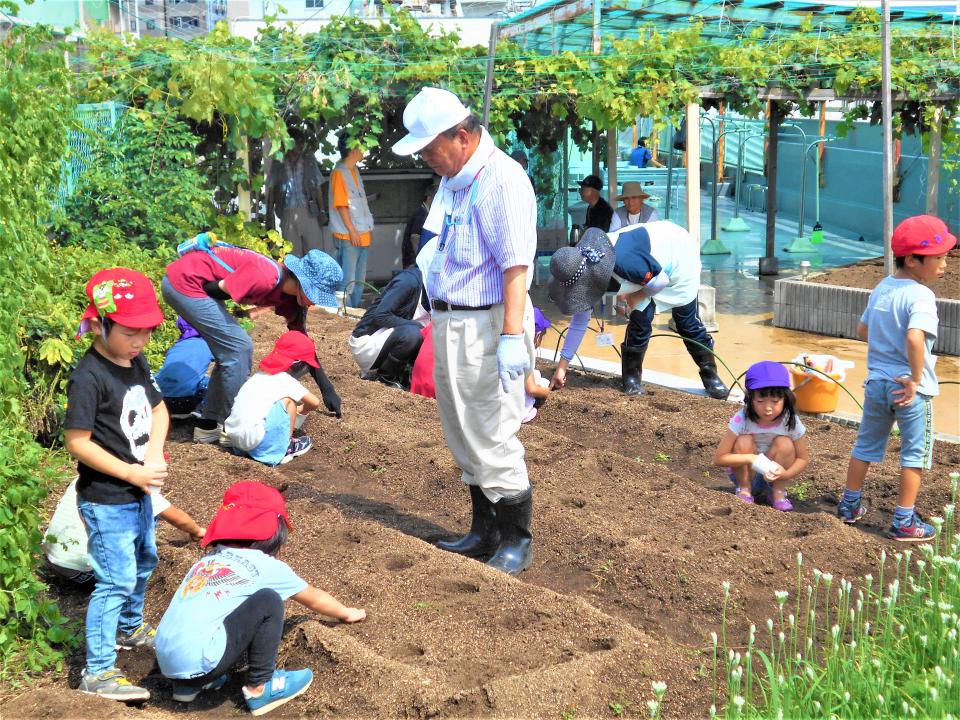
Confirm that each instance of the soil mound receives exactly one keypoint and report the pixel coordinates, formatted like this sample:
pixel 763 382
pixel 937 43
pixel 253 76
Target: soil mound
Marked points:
pixel 634 533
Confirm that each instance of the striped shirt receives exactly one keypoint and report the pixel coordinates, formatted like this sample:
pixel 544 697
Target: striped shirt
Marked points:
pixel 494 232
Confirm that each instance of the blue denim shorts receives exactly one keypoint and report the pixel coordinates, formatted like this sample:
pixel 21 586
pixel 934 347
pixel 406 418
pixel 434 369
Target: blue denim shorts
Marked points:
pixel 276 436
pixel 915 422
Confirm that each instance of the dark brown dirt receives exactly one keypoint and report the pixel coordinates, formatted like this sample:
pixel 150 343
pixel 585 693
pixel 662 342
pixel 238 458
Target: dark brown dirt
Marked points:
pixel 867 273
pixel 634 533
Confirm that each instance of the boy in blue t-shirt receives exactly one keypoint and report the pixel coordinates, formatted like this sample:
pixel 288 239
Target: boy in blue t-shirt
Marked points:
pixel 231 602
pixel 900 328
pixel 115 427
pixel 183 377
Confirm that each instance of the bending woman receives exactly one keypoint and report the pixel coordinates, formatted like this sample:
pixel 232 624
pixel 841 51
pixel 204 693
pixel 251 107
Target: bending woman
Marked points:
pixel 198 284
pixel 656 267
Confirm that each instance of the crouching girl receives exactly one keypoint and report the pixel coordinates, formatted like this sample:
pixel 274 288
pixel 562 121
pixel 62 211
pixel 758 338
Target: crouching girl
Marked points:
pixel 765 444
pixel 231 602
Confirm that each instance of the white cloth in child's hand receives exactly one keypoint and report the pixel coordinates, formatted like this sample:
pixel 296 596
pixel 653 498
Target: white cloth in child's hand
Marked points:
pixel 768 468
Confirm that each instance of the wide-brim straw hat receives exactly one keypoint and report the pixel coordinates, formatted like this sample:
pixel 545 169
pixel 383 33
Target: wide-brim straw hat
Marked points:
pixel 579 275
pixel 633 189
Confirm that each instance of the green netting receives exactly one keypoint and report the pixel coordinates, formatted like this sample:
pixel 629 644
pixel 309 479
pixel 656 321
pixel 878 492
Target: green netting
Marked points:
pixel 95 118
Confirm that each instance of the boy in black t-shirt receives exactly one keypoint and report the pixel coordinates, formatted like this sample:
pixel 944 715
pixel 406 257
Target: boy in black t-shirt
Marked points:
pixel 115 427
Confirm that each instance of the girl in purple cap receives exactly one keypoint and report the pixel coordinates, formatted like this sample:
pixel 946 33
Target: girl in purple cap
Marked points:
pixel 765 444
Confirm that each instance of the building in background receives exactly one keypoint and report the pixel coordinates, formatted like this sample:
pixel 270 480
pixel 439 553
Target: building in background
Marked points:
pixel 182 19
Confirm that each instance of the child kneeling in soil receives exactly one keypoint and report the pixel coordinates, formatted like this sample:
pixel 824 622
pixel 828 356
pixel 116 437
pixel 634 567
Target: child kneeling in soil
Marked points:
pixel 272 403
pixel 65 541
pixel 231 602
pixel 765 443
pixel 899 326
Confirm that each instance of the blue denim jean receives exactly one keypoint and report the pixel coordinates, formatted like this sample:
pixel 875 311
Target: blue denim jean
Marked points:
pixel 123 552
pixel 230 344
pixel 915 422
pixel 686 317
pixel 353 261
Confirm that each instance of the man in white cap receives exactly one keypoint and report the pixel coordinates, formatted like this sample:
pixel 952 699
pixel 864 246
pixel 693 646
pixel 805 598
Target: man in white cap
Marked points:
pixel 485 216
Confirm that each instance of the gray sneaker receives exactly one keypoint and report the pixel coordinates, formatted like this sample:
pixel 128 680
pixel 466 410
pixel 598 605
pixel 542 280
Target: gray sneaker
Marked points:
pixel 112 685
pixel 143 636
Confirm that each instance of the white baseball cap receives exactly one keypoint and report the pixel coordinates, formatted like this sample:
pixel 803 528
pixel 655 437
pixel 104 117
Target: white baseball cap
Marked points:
pixel 432 111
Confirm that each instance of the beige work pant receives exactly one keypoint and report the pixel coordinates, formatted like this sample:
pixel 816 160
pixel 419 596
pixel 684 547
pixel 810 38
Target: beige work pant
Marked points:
pixel 479 420
pixel 302 230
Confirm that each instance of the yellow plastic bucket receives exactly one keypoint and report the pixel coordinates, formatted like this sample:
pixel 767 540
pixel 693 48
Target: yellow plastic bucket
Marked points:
pixel 815 394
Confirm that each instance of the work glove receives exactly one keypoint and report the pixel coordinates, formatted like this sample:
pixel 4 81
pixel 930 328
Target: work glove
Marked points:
pixel 330 398
pixel 512 359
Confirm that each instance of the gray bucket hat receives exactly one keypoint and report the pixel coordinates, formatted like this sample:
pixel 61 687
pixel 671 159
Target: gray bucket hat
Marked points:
pixel 579 275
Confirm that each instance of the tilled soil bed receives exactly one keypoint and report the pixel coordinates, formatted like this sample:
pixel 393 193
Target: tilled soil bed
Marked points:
pixel 635 532
pixel 867 273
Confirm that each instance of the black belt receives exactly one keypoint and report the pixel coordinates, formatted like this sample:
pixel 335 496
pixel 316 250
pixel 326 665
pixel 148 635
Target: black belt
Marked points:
pixel 441 306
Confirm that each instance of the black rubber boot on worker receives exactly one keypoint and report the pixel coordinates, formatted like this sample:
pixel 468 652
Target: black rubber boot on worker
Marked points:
pixel 513 518
pixel 483 537
pixel 631 363
pixel 708 374
pixel 393 373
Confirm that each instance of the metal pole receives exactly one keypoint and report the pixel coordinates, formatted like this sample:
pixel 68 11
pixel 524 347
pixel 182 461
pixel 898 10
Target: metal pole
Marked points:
pixel 673 137
pixel 488 87
pixel 887 102
pixel 714 246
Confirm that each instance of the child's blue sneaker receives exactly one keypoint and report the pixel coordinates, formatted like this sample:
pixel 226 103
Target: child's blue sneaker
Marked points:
pixel 188 693
pixel 851 512
pixel 284 686
pixel 914 530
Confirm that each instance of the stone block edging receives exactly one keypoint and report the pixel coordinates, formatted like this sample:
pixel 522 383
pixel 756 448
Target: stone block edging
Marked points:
pixel 835 310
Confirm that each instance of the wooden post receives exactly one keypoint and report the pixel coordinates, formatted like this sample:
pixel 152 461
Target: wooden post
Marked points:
pixel 597 6
pixel 244 205
pixel 595 149
pixel 488 85
pixel 887 115
pixel 769 265
pixel 693 171
pixel 933 161
pixel 612 166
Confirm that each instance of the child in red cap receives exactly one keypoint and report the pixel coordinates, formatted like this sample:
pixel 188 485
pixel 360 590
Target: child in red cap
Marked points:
pixel 231 602
pixel 273 403
pixel 116 424
pixel 900 328
pixel 765 445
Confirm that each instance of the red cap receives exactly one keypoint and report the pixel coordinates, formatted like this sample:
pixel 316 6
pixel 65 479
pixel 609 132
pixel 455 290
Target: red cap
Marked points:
pixel 125 296
pixel 922 235
pixel 292 346
pixel 250 511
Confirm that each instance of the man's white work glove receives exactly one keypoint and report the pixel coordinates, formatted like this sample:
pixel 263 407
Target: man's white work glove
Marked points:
pixel 769 469
pixel 512 359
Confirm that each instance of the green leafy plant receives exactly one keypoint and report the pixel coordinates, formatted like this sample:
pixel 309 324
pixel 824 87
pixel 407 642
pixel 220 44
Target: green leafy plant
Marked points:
pixel 141 186
pixel 889 648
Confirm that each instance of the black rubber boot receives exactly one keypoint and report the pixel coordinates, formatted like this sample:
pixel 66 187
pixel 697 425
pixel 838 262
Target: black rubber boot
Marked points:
pixel 513 518
pixel 393 373
pixel 708 374
pixel 484 537
pixel 631 362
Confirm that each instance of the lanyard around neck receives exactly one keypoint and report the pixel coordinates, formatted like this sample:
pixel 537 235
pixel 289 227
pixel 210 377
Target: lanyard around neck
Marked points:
pixel 449 220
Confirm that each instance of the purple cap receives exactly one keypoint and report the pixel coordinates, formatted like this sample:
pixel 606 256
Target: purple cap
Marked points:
pixel 767 373
pixel 540 321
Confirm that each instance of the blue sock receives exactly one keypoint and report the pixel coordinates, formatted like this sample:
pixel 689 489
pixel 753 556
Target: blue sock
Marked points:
pixel 902 516
pixel 851 497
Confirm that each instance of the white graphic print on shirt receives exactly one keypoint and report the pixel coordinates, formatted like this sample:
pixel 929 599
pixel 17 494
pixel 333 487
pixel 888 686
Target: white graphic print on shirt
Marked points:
pixel 135 420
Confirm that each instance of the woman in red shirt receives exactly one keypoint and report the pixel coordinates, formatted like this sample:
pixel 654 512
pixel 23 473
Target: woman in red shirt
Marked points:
pixel 198 284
